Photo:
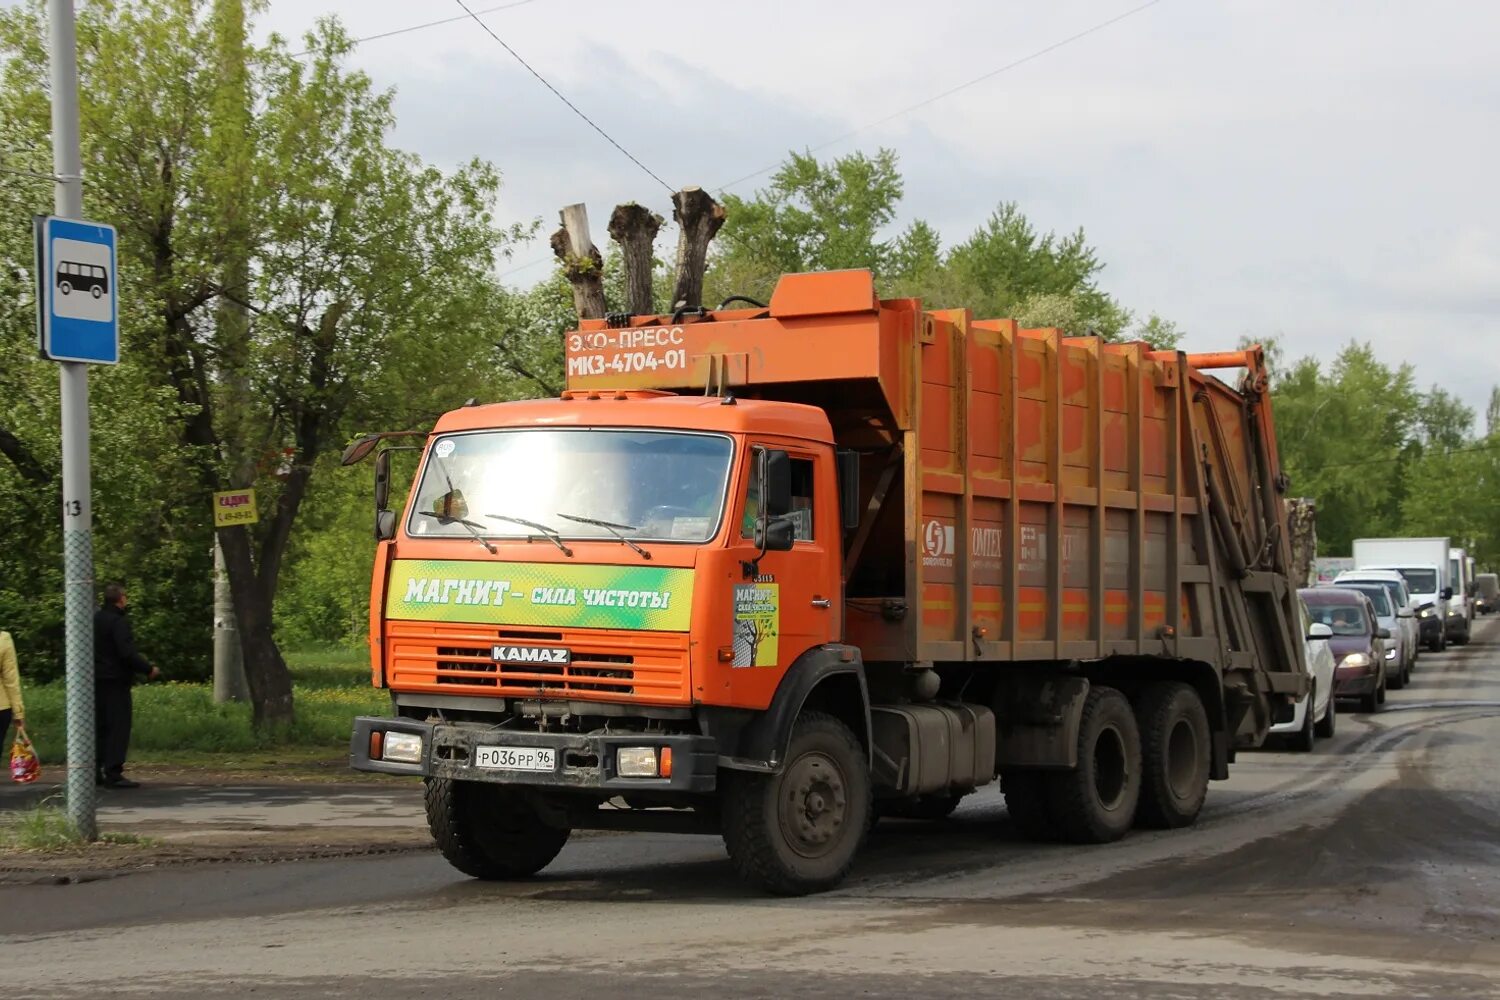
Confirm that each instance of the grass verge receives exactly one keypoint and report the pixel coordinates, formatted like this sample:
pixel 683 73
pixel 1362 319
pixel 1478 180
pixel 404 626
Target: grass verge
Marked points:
pixel 175 718
pixel 45 828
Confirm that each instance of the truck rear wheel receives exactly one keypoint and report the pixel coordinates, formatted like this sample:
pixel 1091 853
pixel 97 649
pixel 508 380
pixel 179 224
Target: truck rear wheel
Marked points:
pixel 798 831
pixel 1095 802
pixel 1175 747
pixel 489 831
pixel 1028 800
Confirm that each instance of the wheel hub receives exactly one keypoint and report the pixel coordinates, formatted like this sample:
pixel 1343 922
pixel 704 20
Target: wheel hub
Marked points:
pixel 814 804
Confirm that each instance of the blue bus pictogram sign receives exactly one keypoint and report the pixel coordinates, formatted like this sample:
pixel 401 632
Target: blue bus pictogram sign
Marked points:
pixel 77 291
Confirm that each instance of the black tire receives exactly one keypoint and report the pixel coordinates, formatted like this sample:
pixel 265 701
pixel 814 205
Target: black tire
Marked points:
pixel 1029 803
pixel 1399 681
pixel 1369 702
pixel 1175 748
pixel 923 807
pixel 1095 802
pixel 798 831
pixel 1380 689
pixel 1462 639
pixel 65 287
pixel 489 831
pixel 1329 723
pixel 1306 738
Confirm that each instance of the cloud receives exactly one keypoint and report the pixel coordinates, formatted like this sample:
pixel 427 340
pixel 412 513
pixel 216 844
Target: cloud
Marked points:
pixel 1247 167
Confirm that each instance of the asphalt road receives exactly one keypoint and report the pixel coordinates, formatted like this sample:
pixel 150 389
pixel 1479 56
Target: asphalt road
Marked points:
pixel 1370 867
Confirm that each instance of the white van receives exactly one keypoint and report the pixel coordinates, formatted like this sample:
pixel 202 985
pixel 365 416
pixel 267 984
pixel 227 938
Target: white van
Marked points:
pixel 1461 607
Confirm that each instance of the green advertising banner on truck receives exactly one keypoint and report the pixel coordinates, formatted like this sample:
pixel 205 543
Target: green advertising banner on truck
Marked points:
pixel 623 597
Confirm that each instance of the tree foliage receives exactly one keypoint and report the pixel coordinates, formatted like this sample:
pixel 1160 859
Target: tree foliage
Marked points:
pixel 842 214
pixel 291 276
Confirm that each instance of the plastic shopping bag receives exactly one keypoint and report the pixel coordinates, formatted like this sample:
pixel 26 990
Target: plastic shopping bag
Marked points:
pixel 24 766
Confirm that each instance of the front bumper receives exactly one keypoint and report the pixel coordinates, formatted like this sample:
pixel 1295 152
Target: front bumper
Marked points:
pixel 1431 628
pixel 585 761
pixel 1361 680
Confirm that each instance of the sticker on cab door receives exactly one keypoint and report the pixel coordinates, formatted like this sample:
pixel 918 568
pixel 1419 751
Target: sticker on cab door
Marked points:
pixel 757 622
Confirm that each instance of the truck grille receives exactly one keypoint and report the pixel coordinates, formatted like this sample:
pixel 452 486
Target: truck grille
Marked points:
pixel 606 665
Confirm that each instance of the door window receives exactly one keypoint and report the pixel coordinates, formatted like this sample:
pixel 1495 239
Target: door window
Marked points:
pixel 801 514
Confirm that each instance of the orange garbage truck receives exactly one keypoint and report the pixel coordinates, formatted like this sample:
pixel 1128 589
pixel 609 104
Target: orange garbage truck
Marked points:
pixel 771 571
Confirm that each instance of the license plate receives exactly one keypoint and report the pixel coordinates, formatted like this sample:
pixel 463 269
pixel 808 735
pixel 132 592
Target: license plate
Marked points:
pixel 516 758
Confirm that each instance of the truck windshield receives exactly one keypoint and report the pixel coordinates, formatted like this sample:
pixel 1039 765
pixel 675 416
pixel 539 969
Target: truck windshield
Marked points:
pixel 663 486
pixel 1421 581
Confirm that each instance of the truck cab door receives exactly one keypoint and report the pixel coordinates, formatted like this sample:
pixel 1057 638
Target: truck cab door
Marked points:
pixel 792 601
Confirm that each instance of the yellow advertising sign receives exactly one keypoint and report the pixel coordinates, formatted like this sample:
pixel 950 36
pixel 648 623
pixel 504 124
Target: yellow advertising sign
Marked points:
pixel 648 598
pixel 233 507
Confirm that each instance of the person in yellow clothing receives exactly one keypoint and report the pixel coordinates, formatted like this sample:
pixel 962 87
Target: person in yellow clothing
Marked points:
pixel 11 706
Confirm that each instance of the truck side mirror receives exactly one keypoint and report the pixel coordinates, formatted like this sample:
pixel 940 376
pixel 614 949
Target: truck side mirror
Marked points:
pixel 385 525
pixel 382 480
pixel 775 474
pixel 1447 593
pixel 848 467
pixel 775 535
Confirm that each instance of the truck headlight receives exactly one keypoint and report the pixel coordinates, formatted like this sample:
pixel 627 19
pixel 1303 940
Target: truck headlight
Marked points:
pixel 636 762
pixel 1425 612
pixel 1356 660
pixel 1455 612
pixel 402 748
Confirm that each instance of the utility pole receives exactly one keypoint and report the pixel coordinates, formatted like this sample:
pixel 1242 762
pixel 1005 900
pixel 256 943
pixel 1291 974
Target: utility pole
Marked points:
pixel 78 516
pixel 229 142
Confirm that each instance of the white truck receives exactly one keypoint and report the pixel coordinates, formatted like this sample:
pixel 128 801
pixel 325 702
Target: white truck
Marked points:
pixel 1461 607
pixel 1423 563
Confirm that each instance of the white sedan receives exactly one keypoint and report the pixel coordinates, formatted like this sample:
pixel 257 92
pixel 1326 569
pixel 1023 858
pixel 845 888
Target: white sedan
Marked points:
pixel 1315 713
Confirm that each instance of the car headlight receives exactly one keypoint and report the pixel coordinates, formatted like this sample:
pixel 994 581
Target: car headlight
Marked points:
pixel 1455 612
pixel 1356 660
pixel 1390 654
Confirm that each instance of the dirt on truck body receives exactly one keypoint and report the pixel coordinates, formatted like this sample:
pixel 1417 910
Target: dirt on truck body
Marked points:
pixel 771 571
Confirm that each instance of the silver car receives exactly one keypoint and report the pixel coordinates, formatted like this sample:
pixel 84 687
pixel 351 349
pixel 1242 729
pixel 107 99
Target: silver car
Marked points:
pixel 1403 625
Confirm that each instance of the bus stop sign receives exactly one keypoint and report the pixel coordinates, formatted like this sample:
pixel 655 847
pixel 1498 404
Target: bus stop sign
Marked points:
pixel 77 291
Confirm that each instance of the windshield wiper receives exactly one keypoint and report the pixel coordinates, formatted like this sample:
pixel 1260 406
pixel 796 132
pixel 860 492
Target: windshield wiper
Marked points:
pixel 611 527
pixel 551 534
pixel 473 528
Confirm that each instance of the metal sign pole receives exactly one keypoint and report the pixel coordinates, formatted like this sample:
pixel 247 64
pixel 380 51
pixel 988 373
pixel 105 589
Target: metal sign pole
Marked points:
pixel 78 541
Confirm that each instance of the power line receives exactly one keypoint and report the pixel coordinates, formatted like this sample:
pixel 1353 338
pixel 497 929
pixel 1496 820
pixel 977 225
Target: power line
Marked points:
pixel 1402 458
pixel 428 24
pixel 571 106
pixel 1023 60
pixel 953 90
pixel 29 173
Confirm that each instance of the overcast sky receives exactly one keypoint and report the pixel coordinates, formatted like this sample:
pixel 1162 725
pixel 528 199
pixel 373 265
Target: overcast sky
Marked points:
pixel 1313 169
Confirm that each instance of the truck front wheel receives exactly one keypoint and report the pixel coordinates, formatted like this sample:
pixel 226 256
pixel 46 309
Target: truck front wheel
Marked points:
pixel 798 831
pixel 1175 746
pixel 489 831
pixel 1095 802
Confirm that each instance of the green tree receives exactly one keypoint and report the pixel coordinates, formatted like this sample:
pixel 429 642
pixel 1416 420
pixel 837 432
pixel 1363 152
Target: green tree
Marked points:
pixel 368 283
pixel 1344 435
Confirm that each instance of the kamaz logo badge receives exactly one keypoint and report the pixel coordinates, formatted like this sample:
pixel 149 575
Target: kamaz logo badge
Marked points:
pixel 532 654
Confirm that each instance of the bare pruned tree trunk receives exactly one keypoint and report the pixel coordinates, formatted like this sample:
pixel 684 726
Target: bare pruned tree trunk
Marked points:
pixel 700 218
pixel 582 262
pixel 634 227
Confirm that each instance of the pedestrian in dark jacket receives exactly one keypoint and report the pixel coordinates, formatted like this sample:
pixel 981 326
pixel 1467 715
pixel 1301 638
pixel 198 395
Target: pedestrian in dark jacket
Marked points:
pixel 117 664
